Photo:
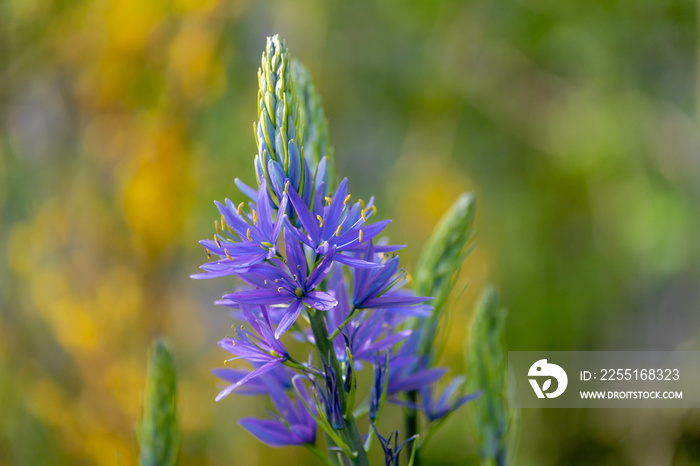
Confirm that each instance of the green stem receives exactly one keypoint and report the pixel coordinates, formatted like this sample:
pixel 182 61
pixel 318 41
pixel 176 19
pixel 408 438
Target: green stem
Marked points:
pixel 320 454
pixel 412 424
pixel 350 316
pixel 350 433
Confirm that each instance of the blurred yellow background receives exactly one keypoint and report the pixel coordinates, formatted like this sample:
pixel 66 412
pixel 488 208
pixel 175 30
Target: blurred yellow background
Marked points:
pixel 122 121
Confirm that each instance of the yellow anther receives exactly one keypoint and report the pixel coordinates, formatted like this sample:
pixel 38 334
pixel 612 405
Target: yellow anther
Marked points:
pixel 223 222
pixel 216 226
pixel 228 255
pixel 255 217
pixel 360 236
pixel 225 362
pixel 320 221
pixel 328 199
pixel 279 290
pixel 347 198
pixel 363 215
pixel 337 232
pixel 286 187
pixel 362 203
pixel 374 210
pixel 216 240
pixel 238 209
pixel 276 280
pixel 208 254
pixel 265 282
pixel 248 235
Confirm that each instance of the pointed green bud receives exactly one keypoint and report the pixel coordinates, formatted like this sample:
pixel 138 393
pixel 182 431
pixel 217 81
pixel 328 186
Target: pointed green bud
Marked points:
pixel 317 144
pixel 158 432
pixel 493 417
pixel 440 261
pixel 278 111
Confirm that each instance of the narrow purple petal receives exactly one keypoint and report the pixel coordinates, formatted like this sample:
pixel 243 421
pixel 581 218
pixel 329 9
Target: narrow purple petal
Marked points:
pixel 257 372
pixel 388 341
pixel 265 296
pixel 307 220
pixel 264 214
pixel 289 318
pixel 321 271
pixel 252 387
pixel 281 217
pixel 272 433
pixel 305 239
pixel 394 301
pixel 414 381
pixel 320 300
pixel 245 189
pixel 206 275
pixel 354 262
pixel 295 257
pixel 333 212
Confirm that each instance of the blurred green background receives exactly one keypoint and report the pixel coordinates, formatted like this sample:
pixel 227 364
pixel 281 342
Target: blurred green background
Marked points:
pixel 122 120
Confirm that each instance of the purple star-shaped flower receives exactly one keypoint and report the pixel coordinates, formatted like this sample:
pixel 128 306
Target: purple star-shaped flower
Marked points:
pixel 336 226
pixel 262 349
pixel 378 287
pixel 280 283
pixel 244 239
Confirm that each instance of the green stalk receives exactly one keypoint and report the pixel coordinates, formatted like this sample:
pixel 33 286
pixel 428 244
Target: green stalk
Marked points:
pixel 158 432
pixel 439 264
pixel 494 418
pixel 436 273
pixel 350 434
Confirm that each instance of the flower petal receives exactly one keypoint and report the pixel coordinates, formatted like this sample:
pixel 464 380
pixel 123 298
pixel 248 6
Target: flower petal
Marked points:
pixel 257 372
pixel 264 296
pixel 270 432
pixel 289 318
pixel 320 272
pixel 354 262
pixel 307 220
pixel 320 300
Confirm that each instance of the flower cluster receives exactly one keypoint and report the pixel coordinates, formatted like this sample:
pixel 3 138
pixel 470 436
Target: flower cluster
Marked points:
pixel 314 270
